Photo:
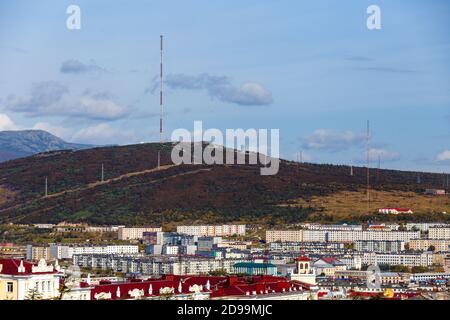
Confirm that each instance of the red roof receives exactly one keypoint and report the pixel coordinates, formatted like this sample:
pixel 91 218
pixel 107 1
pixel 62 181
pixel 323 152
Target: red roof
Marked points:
pixel 219 286
pixel 303 258
pixel 11 267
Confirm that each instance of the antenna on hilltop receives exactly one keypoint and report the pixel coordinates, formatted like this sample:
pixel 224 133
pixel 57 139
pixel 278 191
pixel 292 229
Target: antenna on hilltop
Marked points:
pixel 46 187
pixel 161 137
pixel 379 168
pixel 368 164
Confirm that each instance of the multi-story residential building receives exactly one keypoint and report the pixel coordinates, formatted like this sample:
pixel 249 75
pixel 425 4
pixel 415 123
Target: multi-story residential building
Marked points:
pixel 225 230
pixel 284 236
pixel 101 229
pixel 422 226
pixel 241 245
pixel 135 233
pixel 429 276
pixel 339 236
pixel 379 246
pixel 38 252
pixel 439 245
pixel 60 251
pixel 302 246
pixel 407 259
pixel 439 232
pixel 207 243
pixel 255 269
pixel 21 280
pixel 179 265
pixel 337 227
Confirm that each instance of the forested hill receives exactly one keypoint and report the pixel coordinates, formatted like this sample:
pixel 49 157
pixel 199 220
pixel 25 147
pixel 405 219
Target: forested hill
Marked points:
pixel 135 191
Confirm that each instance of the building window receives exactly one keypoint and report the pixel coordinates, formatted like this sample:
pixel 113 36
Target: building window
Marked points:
pixel 10 287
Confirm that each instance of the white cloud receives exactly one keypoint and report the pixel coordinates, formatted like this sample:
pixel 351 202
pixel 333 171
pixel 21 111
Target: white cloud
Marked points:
pixel 333 140
pixel 383 155
pixel 103 134
pixel 74 66
pixel 221 88
pixel 61 132
pixel 444 156
pixel 6 123
pixel 54 99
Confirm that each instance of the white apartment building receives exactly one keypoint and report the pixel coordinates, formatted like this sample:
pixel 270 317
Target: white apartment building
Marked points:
pixel 171 250
pixel 213 230
pixel 407 259
pixel 418 277
pixel 422 226
pixel 136 233
pixel 339 236
pixel 439 232
pixel 337 227
pixel 60 251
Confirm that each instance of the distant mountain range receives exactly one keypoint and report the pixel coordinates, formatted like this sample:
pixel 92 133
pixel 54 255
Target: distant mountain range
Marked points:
pixel 18 144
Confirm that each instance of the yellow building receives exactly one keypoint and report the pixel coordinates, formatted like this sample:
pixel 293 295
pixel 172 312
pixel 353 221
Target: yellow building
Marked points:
pixel 21 280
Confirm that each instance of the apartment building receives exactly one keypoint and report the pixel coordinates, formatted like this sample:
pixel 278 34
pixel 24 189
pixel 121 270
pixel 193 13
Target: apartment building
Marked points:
pixel 407 259
pixel 284 236
pixel 135 233
pixel 225 230
pixel 156 265
pixel 439 232
pixel 339 236
pixel 337 227
pixel 440 245
pixel 38 252
pixel 422 226
pixel 60 251
pixel 379 246
pixel 304 246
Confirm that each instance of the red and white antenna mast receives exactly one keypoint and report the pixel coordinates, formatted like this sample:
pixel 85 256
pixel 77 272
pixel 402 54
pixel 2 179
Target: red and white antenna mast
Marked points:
pixel 161 136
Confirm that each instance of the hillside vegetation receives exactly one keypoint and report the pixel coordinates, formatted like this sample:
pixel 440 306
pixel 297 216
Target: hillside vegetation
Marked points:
pixel 136 192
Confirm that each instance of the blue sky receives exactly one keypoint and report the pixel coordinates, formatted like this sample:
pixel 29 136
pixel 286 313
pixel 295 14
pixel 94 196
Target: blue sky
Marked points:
pixel 310 68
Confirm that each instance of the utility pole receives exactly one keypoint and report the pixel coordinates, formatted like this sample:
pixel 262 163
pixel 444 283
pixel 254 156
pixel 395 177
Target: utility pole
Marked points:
pixel 46 187
pixel 103 173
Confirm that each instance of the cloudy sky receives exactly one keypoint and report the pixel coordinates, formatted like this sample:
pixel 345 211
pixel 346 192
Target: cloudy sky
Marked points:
pixel 310 68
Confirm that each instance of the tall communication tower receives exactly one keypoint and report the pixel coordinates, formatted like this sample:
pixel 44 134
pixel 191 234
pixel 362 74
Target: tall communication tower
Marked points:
pixel 46 187
pixel 103 173
pixel 368 164
pixel 161 136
